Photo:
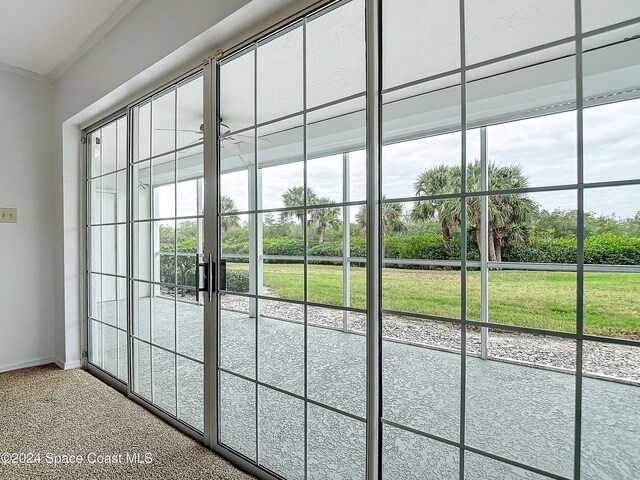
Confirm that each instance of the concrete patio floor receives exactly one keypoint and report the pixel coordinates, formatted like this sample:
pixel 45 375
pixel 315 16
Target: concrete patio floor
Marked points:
pixel 518 412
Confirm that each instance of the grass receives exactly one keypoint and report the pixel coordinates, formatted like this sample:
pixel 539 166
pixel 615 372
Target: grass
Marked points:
pixel 525 298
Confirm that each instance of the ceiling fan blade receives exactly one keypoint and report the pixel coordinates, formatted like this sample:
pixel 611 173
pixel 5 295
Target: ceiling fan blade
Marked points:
pixel 199 132
pixel 230 145
pixel 249 139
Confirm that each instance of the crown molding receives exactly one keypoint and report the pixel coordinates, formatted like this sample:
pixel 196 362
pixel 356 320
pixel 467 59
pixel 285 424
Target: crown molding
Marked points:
pixel 7 67
pixel 94 37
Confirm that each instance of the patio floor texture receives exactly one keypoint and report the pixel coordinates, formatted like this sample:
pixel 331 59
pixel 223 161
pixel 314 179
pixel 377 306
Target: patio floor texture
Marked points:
pixel 518 412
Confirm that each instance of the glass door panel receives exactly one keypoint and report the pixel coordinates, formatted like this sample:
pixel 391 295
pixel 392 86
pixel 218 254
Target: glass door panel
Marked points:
pixel 291 372
pixel 167 244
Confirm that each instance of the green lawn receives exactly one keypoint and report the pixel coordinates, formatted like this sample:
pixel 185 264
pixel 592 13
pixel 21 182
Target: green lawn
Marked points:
pixel 526 298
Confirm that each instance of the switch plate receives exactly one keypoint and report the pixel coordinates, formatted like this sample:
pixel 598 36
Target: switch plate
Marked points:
pixel 8 215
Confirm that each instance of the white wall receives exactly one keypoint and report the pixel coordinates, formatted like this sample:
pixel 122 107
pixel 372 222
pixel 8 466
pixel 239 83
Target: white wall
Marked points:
pixel 158 39
pixel 27 252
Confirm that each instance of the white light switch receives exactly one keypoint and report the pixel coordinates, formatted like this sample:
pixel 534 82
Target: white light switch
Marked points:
pixel 8 215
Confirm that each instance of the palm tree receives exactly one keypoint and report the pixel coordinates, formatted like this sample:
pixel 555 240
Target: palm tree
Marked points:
pixel 324 218
pixel 227 205
pixel 294 197
pixel 441 180
pixel 510 215
pixel 393 218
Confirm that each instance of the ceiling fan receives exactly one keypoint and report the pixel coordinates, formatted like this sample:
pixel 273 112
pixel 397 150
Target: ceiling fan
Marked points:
pixel 230 142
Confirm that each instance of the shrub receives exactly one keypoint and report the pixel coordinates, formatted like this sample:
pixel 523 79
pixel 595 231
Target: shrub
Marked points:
pixel 238 281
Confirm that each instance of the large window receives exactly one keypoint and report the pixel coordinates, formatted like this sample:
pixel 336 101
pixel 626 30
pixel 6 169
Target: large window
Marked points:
pixel 506 292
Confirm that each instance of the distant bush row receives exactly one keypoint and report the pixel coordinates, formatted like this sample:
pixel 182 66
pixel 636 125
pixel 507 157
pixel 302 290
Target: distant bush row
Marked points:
pixel 599 249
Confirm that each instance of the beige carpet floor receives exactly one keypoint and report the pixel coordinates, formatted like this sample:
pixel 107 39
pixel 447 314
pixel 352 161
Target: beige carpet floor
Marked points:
pixel 51 412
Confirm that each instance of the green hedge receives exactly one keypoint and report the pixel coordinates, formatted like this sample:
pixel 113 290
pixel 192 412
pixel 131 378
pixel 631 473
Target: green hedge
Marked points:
pixel 600 249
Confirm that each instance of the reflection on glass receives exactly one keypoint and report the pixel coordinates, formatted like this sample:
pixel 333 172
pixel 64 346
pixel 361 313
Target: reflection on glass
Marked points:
pixel 280 70
pixel 237 92
pixel 410 456
pixel 331 77
pixel 500 27
pixel 237 407
pixel 522 413
pixel 164 380
pixel 281 433
pixel 421 38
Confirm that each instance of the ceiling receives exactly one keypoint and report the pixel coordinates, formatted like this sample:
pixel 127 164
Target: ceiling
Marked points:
pixel 44 37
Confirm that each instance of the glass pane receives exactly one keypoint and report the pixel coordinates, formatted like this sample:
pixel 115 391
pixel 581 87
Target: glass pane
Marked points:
pixel 602 13
pixel 325 283
pixel 190 325
pixel 96 343
pixel 110 346
pixel 237 91
pixel 108 198
pixel 142 251
pixel 190 112
pixel 142 369
pixel 500 27
pixel 534 152
pixel 522 413
pixel 95 197
pixel 540 350
pixel 421 38
pixel 141 191
pixel 336 445
pixel 95 262
pixel 121 153
pixel 280 166
pixel 422 143
pixel 121 242
pixel 281 348
pixel 191 393
pixel 421 385
pixel 94 154
pixel 281 425
pixel 330 76
pixel 142 132
pixel 479 467
pixel 336 368
pixel 238 335
pixel 164 252
pixel 109 148
pixel 164 380
pixel 187 198
pixel 280 75
pixel 163 319
pixel 611 143
pixel 237 407
pixel 122 303
pixel 163 187
pixel 123 362
pixel 95 303
pixel 121 197
pixel 611 361
pixel 142 310
pixel 163 108
pixel 109 249
pixel 410 456
pixel 610 420
pixel 109 304
pixel 535 299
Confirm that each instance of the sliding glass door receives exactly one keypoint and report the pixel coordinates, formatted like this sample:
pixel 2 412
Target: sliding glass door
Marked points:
pixel 497 324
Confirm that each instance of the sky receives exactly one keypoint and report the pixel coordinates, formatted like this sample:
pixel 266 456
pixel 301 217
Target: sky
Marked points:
pixel 544 147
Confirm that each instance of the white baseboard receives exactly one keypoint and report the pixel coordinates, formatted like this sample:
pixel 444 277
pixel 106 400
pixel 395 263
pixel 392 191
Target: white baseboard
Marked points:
pixel 68 365
pixel 29 363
